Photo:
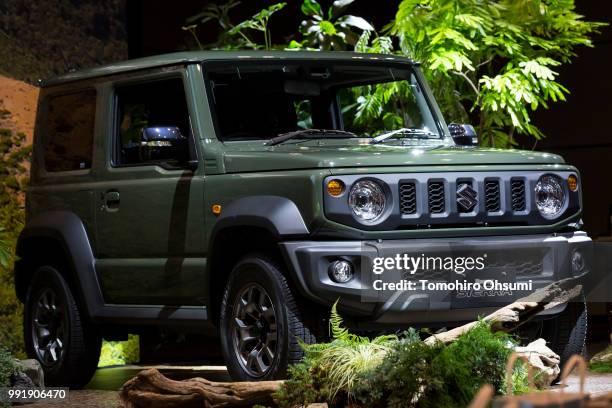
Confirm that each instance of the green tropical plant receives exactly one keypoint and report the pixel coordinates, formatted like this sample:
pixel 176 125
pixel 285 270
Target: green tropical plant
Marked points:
pixel 235 36
pixel 348 355
pixel 213 12
pixel 492 61
pixel 120 352
pixel 13 156
pixel 258 22
pixel 392 371
pixel 331 29
pixel 331 370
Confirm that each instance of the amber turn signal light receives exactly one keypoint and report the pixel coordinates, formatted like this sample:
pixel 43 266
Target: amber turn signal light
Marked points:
pixel 335 187
pixel 572 182
pixel 216 209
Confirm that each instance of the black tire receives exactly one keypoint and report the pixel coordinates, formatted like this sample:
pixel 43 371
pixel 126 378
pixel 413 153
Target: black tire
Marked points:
pixel 74 363
pixel 566 333
pixel 261 274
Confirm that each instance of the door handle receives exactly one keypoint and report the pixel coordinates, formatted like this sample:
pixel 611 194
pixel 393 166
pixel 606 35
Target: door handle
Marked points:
pixel 111 200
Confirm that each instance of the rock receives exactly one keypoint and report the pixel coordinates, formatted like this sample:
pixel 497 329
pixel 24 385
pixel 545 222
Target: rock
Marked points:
pixel 603 356
pixel 20 380
pixel 33 370
pixel 543 360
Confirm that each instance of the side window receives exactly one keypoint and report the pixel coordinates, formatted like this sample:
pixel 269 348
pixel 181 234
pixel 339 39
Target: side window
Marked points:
pixel 152 124
pixel 70 128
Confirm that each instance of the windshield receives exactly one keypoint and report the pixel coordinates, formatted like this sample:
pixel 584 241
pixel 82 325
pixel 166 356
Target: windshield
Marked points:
pixel 262 100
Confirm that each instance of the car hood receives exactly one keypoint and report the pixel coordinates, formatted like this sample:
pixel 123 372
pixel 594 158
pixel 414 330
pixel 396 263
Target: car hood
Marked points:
pixel 247 157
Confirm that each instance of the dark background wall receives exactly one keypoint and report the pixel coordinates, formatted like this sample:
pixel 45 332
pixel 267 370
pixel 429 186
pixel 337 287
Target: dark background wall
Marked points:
pixel 580 129
pixel 42 38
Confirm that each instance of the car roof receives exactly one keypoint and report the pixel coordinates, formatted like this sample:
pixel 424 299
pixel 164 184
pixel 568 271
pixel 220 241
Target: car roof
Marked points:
pixel 189 57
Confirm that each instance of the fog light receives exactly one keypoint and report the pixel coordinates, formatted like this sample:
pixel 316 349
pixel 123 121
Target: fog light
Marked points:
pixel 341 271
pixel 578 262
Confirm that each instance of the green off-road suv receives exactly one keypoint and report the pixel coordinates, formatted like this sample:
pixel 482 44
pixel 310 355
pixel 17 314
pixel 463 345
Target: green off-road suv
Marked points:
pixel 240 194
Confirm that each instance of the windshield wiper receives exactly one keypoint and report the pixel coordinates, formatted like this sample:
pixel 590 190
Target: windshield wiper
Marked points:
pixel 415 133
pixel 309 133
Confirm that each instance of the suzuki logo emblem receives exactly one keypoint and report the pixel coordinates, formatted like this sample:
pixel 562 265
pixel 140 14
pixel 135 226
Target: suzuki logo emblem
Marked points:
pixel 467 197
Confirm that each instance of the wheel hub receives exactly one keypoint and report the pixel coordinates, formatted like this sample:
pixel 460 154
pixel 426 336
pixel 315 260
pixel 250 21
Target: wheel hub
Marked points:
pixel 48 327
pixel 254 335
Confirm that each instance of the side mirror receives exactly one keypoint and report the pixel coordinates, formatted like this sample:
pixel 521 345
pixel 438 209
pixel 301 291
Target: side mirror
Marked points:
pixel 164 144
pixel 463 134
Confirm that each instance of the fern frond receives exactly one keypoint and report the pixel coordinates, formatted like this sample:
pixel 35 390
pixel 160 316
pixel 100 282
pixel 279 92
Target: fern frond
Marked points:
pixel 335 322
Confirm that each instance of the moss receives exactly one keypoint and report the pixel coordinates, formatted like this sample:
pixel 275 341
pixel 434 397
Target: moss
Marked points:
pixel 463 367
pixel 441 375
pixel 120 352
pixel 8 369
pixel 601 367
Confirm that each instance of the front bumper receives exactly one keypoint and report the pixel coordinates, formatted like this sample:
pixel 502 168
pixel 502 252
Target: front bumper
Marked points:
pixel 535 259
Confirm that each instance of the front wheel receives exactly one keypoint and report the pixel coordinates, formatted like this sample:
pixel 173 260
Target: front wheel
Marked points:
pixel 55 332
pixel 566 333
pixel 261 324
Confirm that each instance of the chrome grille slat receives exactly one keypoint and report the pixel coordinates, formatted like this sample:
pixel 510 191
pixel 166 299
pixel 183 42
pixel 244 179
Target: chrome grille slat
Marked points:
pixel 518 194
pixel 408 199
pixel 435 197
pixel 492 196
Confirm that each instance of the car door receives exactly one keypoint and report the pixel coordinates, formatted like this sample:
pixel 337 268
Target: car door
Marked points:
pixel 149 217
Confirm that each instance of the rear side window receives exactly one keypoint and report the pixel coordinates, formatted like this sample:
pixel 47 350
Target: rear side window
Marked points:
pixel 69 131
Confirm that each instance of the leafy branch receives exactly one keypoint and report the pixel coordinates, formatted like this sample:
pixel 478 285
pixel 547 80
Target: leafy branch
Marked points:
pixel 492 63
pixel 234 36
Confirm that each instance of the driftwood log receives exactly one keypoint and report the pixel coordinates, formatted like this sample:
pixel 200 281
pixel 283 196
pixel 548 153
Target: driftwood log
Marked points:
pixel 151 389
pixel 510 317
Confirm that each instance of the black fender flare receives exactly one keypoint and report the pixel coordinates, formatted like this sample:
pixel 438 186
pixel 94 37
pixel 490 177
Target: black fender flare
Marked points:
pixel 278 215
pixel 67 229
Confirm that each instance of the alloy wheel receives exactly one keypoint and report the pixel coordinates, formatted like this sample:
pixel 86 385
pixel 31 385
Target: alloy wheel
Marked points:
pixel 254 330
pixel 49 323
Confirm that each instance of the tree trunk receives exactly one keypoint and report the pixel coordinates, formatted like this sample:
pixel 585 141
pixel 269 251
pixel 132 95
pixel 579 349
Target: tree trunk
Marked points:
pixel 151 389
pixel 515 314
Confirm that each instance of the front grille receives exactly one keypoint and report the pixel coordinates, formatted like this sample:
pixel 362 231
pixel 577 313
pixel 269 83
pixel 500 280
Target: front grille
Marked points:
pixel 492 196
pixel 518 194
pixel 435 197
pixel 453 200
pixel 530 262
pixel 408 199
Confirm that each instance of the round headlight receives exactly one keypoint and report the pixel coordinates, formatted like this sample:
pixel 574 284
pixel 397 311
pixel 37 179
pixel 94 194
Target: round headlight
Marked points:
pixel 367 200
pixel 549 196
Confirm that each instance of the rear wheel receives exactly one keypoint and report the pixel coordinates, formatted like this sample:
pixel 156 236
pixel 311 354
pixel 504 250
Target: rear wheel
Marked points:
pixel 261 324
pixel 55 332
